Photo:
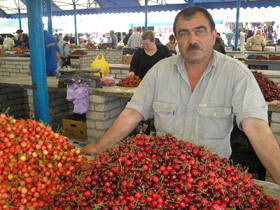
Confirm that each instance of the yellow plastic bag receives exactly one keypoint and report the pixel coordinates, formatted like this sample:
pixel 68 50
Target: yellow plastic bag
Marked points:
pixel 101 64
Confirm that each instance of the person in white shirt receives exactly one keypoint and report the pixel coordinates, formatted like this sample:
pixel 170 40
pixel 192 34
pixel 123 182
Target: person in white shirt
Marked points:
pixel 135 40
pixel 64 51
pixel 9 42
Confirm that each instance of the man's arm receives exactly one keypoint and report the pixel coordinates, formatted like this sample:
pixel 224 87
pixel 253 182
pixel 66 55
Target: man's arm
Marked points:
pixel 120 129
pixel 264 144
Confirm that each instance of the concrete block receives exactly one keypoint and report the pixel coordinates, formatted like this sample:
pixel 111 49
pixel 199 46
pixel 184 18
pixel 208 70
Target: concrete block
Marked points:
pixel 104 125
pixel 19 100
pixel 57 102
pixel 3 97
pixel 6 90
pixel 120 76
pixel 94 135
pixel 277 136
pixel 275 127
pixel 116 112
pixel 107 106
pixel 98 115
pixel 14 95
pixel 96 99
pixel 275 117
pixel 116 71
pixel 124 71
pixel 90 124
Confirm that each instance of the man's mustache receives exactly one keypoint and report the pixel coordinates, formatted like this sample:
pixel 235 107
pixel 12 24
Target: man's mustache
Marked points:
pixel 193 47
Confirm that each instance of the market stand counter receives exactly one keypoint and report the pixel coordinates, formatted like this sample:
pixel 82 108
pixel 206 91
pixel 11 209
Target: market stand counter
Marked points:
pixel 105 104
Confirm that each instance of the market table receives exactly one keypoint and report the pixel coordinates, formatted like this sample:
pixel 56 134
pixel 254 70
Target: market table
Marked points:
pixel 105 104
pixel 263 64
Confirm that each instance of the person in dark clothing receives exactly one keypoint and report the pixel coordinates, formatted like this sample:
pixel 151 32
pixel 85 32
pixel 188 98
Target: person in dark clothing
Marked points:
pixel 144 58
pixel 1 40
pixel 125 40
pixel 218 46
pixel 22 40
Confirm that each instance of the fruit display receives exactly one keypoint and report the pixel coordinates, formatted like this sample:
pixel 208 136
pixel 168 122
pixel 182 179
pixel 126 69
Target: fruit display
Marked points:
pixel 274 57
pixel 40 169
pixel 78 52
pixel 269 88
pixel 34 164
pixel 161 172
pixel 129 82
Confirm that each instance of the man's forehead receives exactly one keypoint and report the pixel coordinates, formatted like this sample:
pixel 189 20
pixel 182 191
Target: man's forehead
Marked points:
pixel 197 16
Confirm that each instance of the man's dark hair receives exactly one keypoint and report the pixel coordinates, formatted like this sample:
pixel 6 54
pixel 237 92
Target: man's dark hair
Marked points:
pixel 188 12
pixel 139 29
pixel 66 38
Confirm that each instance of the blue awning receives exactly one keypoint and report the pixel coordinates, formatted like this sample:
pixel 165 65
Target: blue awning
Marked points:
pixel 65 7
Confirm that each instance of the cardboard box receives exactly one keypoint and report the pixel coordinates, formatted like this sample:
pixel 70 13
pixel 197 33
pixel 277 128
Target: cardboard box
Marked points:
pixel 126 59
pixel 74 129
pixel 2 52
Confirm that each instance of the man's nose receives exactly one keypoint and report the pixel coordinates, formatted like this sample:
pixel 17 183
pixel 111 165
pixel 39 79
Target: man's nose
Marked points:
pixel 192 38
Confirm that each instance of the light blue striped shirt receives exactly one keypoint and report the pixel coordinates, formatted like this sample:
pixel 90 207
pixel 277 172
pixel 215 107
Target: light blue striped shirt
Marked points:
pixel 205 115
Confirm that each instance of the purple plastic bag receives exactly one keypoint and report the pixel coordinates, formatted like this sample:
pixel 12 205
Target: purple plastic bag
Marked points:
pixel 80 96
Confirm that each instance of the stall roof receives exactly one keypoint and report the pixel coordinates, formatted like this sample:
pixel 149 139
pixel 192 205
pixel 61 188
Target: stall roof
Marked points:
pixel 10 9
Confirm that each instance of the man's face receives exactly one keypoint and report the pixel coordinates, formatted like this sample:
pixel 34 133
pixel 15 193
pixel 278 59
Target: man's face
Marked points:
pixel 195 38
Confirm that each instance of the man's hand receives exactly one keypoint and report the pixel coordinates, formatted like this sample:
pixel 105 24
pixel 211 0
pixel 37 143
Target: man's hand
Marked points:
pixel 89 149
pixel 130 74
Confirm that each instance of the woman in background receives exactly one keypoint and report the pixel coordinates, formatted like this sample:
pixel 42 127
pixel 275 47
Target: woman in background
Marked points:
pixel 144 58
pixel 171 45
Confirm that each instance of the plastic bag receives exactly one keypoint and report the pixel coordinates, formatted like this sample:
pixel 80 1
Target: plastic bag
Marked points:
pixel 100 64
pixel 80 96
pixel 107 81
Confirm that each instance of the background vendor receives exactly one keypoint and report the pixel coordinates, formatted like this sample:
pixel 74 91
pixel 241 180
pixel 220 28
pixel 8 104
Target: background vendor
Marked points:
pixel 144 58
pixel 256 42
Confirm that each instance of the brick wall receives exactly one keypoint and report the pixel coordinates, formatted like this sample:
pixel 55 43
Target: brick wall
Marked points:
pixel 275 125
pixel 111 56
pixel 14 66
pixel 103 112
pixel 118 73
pixel 11 99
pixel 58 107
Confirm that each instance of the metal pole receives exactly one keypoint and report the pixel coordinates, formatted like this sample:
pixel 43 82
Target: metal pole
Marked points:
pixel 49 12
pixel 191 3
pixel 75 23
pixel 146 15
pixel 19 18
pixel 38 63
pixel 237 25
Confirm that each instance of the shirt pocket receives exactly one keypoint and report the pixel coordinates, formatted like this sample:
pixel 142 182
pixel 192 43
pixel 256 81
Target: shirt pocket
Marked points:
pixel 164 114
pixel 214 122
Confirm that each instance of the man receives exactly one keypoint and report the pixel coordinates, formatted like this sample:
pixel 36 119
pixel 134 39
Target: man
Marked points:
pixel 194 96
pixel 51 49
pixel 125 40
pixel 9 42
pixel 114 40
pixel 64 49
pixel 22 40
pixel 135 40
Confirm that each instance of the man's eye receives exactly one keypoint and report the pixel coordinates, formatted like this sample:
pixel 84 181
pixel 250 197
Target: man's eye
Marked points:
pixel 200 32
pixel 183 34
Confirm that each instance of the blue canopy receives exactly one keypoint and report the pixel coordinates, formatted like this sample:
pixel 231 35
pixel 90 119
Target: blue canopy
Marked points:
pixel 65 7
